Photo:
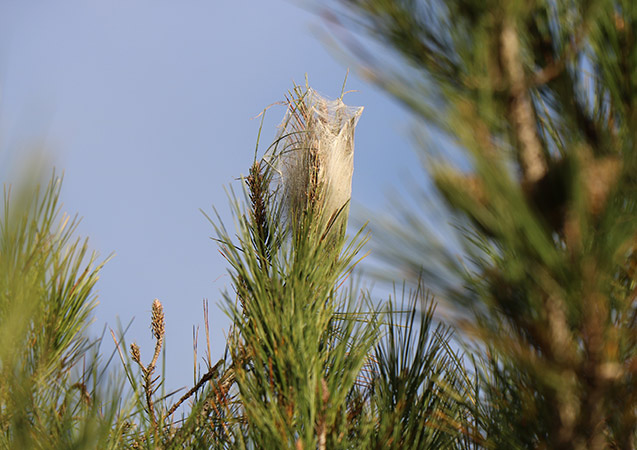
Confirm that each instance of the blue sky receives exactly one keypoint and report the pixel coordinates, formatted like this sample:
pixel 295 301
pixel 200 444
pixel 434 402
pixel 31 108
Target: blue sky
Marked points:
pixel 147 107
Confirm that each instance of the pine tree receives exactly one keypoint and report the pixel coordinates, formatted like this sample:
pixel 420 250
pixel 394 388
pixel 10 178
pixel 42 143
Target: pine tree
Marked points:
pixel 54 392
pixel 314 364
pixel 537 101
pixel 540 99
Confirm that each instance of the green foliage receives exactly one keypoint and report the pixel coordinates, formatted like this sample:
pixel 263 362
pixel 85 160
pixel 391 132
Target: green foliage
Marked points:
pixel 49 392
pixel 296 356
pixel 310 361
pixel 540 99
pixel 421 386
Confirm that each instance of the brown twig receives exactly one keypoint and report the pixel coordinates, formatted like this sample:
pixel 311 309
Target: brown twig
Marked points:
pixel 158 328
pixel 205 378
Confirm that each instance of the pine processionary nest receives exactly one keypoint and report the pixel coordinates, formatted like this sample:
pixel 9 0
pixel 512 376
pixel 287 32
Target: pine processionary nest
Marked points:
pixel 314 155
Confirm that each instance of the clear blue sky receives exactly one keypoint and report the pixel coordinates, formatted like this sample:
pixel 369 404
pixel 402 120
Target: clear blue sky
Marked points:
pixel 146 106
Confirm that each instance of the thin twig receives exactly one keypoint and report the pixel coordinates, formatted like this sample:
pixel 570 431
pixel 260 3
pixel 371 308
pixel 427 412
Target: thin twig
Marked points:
pixel 206 377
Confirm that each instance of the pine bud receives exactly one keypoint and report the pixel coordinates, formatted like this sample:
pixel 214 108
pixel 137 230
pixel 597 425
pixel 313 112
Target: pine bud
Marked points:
pixel 134 352
pixel 157 320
